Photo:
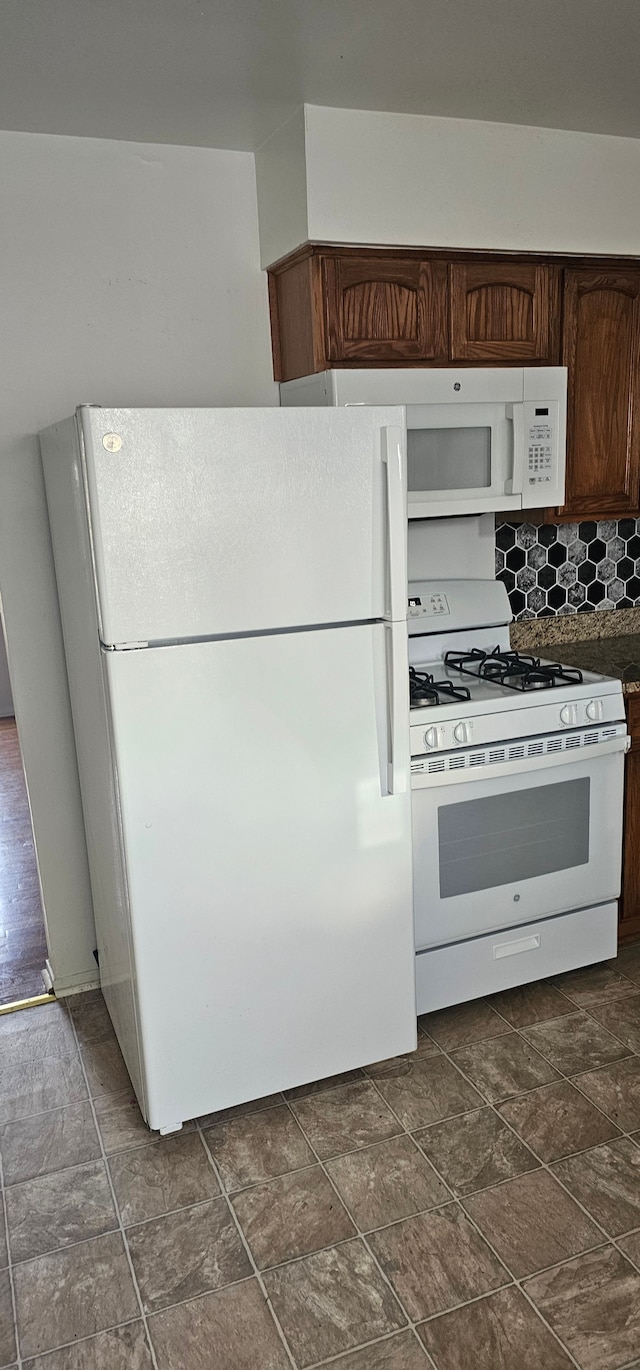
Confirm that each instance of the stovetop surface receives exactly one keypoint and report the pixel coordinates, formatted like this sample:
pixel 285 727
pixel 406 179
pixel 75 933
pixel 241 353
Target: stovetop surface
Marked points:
pixel 464 693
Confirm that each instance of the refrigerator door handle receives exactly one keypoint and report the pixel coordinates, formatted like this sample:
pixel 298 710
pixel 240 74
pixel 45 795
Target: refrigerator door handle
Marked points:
pixel 397 708
pixel 392 452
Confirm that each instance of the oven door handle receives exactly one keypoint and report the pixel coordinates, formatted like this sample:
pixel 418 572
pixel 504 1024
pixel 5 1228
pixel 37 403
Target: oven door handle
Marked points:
pixel 422 780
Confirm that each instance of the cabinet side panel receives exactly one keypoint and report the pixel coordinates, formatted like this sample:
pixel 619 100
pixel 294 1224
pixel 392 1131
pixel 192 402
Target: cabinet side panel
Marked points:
pixel 296 320
pixel 62 463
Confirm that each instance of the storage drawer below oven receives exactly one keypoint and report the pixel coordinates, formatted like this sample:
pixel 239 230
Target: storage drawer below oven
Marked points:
pixel 483 965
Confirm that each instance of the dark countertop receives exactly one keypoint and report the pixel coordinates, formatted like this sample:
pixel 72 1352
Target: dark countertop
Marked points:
pixel 614 656
pixel 607 641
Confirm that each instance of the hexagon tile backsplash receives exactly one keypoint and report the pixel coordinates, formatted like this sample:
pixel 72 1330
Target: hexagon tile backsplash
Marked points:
pixel 569 568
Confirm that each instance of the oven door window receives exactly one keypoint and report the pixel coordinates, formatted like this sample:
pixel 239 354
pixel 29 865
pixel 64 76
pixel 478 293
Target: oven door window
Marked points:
pixel 512 837
pixel 449 458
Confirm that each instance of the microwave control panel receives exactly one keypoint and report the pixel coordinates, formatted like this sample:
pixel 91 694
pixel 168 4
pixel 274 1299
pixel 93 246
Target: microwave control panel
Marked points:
pixel 540 445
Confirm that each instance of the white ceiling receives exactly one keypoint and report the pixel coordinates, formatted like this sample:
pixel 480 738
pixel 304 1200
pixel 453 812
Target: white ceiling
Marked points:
pixel 226 73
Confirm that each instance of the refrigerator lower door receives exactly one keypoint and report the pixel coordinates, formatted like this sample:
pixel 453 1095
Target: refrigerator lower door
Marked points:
pixel 268 863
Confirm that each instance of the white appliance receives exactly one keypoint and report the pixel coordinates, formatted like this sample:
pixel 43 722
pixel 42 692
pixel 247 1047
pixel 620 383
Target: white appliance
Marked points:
pixel 517 786
pixel 478 438
pixel 232 586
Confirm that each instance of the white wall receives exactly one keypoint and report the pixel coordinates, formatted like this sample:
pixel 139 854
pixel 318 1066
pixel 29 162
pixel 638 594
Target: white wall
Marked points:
pixel 421 181
pixel 6 698
pixel 129 275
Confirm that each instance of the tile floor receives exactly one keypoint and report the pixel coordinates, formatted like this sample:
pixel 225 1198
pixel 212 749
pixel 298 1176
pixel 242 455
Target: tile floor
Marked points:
pixel 23 947
pixel 473 1207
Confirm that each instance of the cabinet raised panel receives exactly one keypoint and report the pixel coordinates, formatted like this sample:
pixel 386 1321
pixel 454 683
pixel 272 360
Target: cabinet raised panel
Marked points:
pixel 601 348
pixel 504 312
pixel 385 311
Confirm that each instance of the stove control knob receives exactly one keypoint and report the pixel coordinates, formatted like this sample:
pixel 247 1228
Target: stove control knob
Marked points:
pixel 462 733
pixel 595 711
pixel 569 715
pixel 431 737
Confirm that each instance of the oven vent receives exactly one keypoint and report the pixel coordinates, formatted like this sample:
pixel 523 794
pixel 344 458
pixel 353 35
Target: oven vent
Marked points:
pixel 461 760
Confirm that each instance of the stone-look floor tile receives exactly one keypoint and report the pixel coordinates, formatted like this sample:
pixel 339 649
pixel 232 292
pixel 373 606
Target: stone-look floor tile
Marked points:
pixel 235 1321
pixel 330 1082
pixel 121 1123
pixel 123 1348
pixel 292 1216
pixel 36 1086
pixel 71 1294
pixel 331 1302
pixel 401 1065
pixel 400 1352
pixel 49 1141
pixel 386 1182
pixel 557 1120
pixel 575 1043
pixel 504 1066
pixel 594 985
pixel 105 1067
pixel 622 1018
pixel 432 1089
pixel 90 1016
pixel 475 1151
pixel 631 1247
pixel 7 1337
pixel 627 962
pixel 345 1118
pixel 436 1261
pixel 606 1181
pixel 187 1253
pixel 258 1147
pixel 59 1209
pixel 616 1091
pixel 593 1304
pixel 532 1223
pixel 4 1253
pixel 464 1023
pixel 503 1331
pixel 35 1034
pixel 530 1004
pixel 240 1110
pixel 172 1173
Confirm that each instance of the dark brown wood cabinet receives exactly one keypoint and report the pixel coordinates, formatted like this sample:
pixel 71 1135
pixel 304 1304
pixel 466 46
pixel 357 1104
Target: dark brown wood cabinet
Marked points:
pixel 630 898
pixel 504 312
pixel 601 348
pixel 385 310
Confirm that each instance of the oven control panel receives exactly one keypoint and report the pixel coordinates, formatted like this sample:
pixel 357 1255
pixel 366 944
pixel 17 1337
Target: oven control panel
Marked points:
pixel 428 606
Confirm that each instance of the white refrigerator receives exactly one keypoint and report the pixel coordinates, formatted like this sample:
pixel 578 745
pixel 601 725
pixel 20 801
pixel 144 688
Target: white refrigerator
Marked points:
pixel 232 586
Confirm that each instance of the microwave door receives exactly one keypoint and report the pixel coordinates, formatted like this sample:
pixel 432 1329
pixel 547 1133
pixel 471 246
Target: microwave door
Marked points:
pixel 460 458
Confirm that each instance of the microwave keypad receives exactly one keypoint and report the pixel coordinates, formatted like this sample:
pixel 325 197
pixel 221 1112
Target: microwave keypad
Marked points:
pixel 540 454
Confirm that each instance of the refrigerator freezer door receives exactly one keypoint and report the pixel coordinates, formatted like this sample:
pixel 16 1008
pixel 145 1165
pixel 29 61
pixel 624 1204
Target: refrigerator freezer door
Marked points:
pixel 268 863
pixel 223 521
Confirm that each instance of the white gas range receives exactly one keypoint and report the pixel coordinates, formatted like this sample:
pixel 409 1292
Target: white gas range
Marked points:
pixel 517 780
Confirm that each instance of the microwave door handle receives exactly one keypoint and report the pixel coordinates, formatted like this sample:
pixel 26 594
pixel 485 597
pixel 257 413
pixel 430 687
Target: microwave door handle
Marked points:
pixel 391 444
pixel 517 416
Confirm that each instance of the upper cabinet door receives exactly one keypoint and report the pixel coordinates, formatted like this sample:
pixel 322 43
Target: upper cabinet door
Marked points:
pixel 504 312
pixel 385 309
pixel 602 351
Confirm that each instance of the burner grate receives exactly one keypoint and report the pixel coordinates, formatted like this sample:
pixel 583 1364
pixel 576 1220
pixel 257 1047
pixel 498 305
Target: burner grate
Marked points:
pixel 515 670
pixel 424 690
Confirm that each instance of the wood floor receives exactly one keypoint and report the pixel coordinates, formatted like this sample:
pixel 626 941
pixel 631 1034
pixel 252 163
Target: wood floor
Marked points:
pixel 23 949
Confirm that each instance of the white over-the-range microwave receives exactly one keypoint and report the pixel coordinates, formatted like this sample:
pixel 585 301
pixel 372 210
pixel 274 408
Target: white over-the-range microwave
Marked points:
pixel 478 439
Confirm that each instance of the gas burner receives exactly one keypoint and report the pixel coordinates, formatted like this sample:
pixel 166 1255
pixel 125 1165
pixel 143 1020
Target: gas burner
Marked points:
pixel 423 689
pixel 514 670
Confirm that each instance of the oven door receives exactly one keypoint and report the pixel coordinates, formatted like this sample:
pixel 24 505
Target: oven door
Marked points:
pixel 521 841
